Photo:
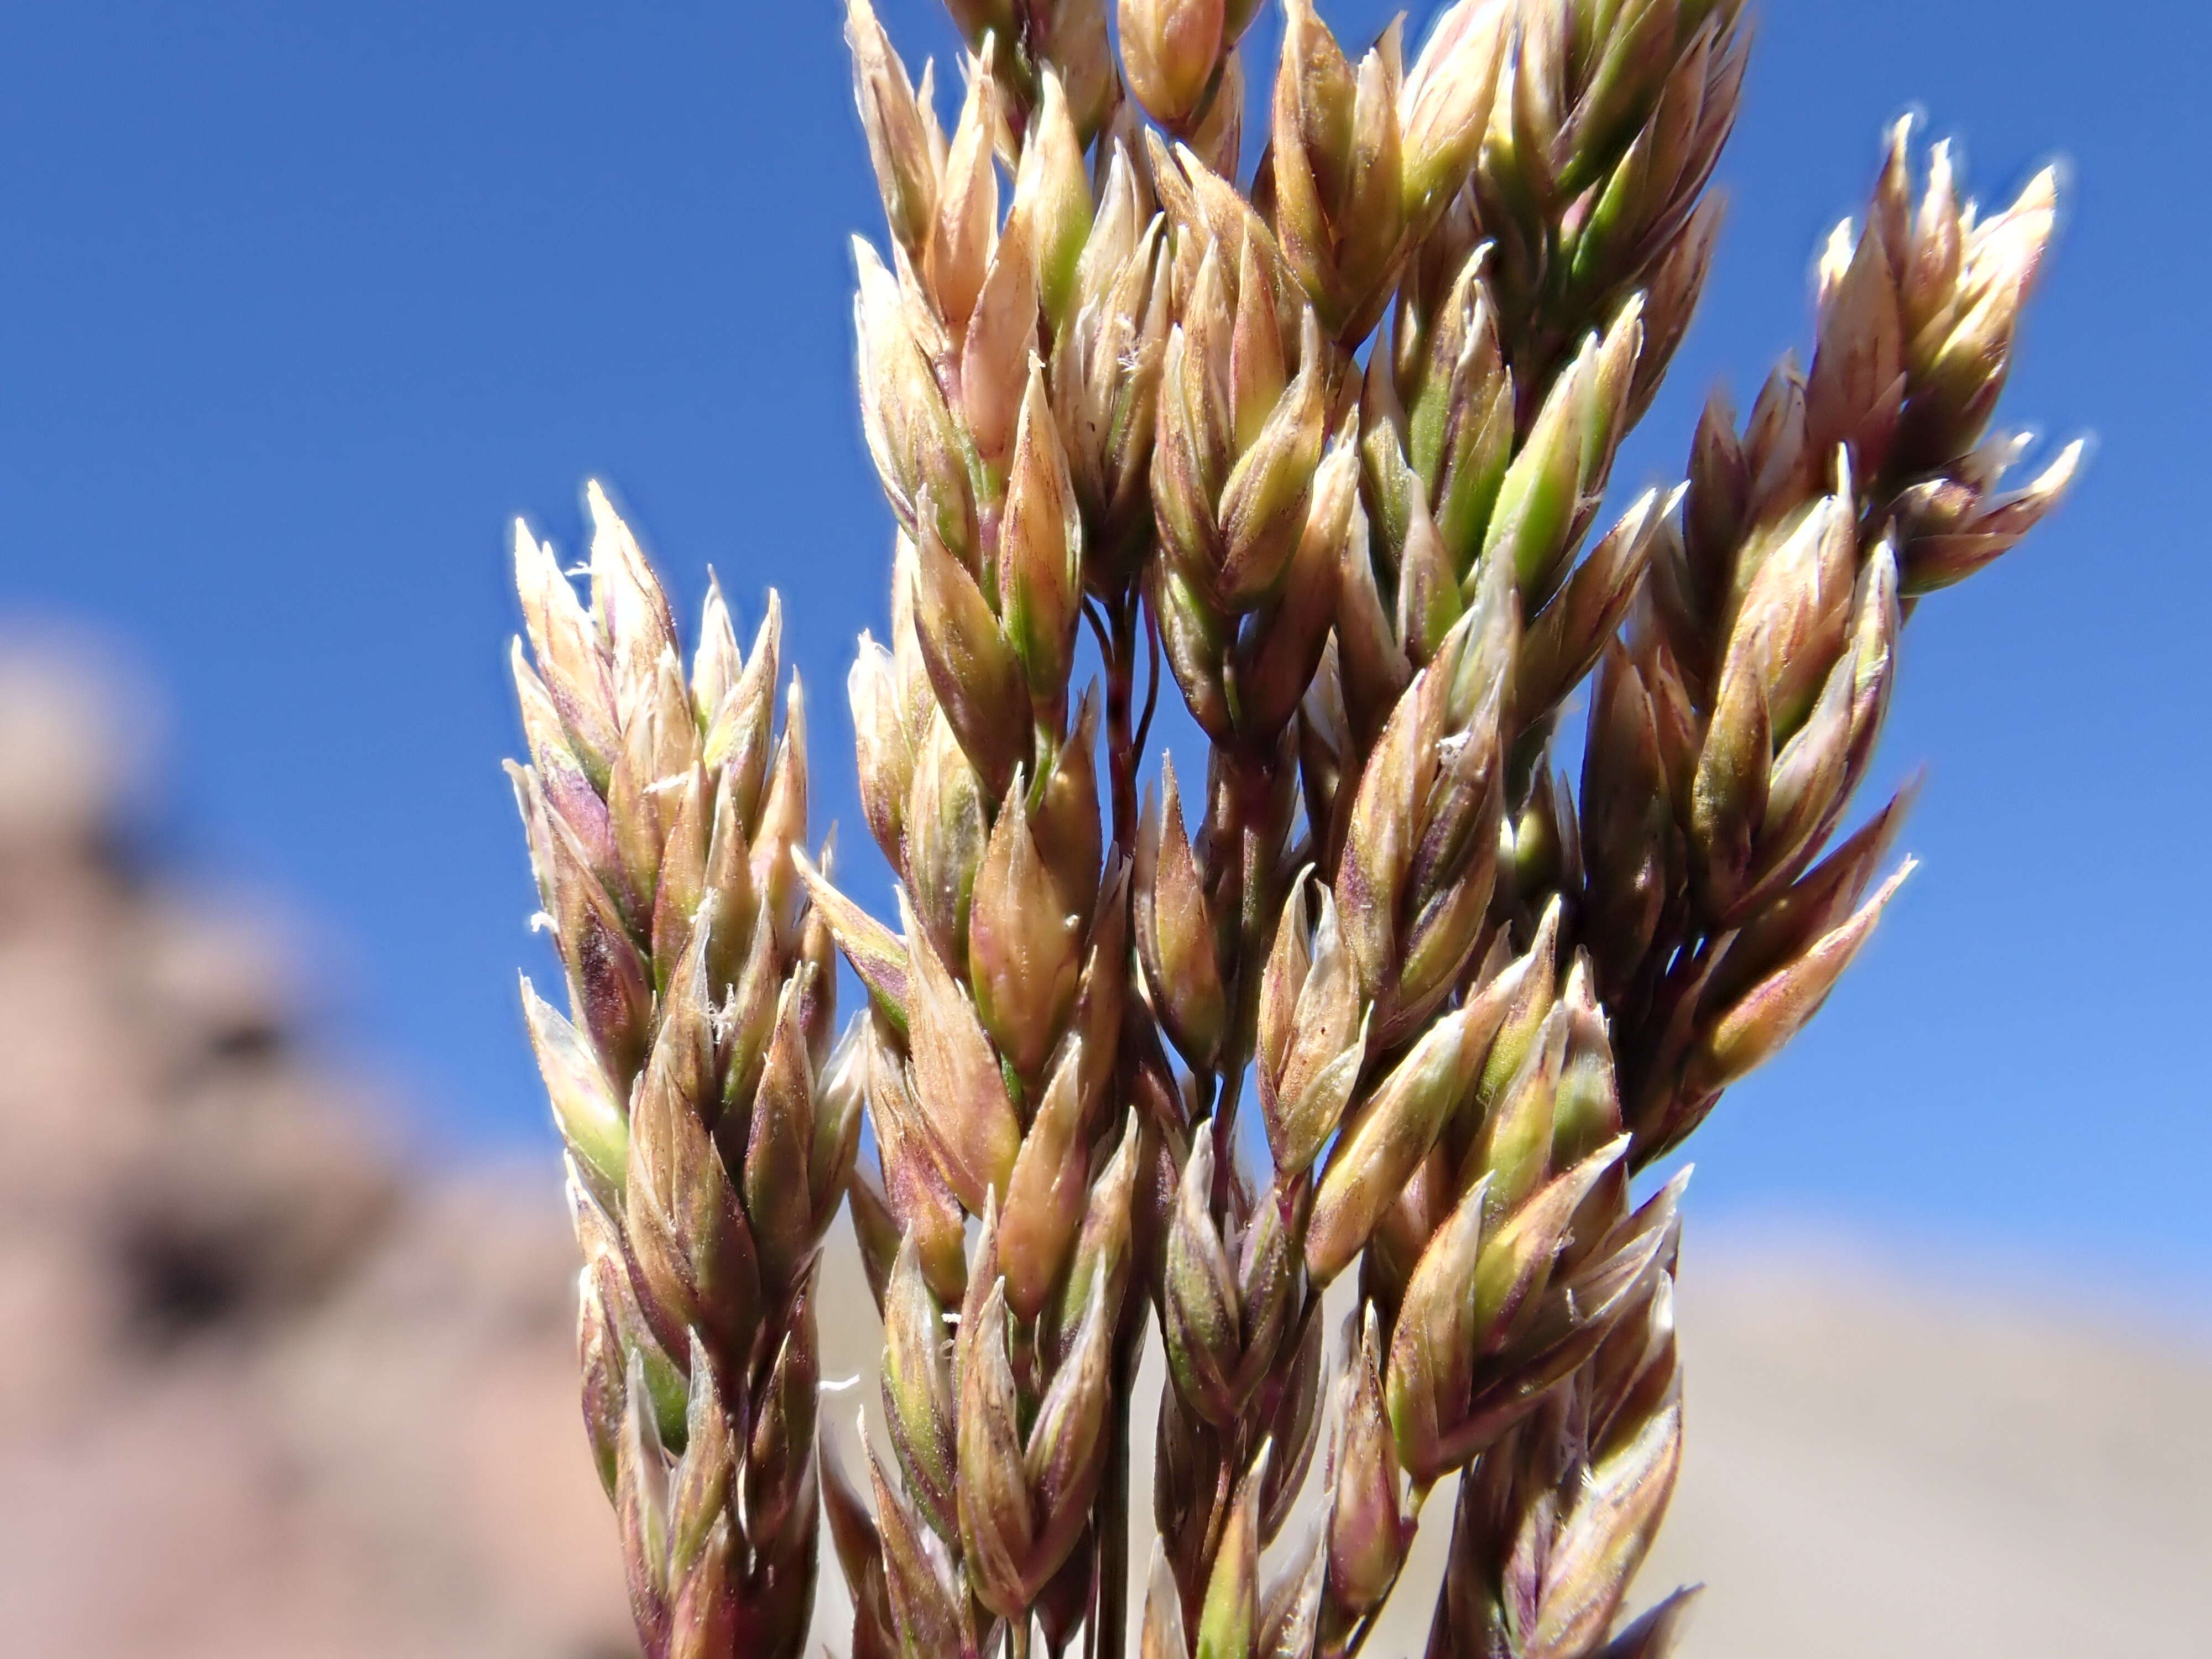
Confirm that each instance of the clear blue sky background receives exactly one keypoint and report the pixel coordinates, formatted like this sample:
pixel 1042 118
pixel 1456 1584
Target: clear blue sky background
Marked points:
pixel 300 302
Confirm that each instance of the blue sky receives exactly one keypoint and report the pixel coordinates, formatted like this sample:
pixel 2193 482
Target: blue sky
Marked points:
pixel 299 303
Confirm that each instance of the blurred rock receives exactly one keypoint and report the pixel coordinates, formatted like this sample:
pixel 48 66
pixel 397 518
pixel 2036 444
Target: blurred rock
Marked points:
pixel 1886 1460
pixel 269 1391
pixel 72 726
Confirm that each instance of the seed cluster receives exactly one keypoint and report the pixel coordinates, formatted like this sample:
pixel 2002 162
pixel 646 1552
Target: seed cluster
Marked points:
pixel 1325 443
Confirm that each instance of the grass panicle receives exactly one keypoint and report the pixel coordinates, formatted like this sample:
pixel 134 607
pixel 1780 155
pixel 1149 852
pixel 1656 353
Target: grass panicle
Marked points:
pixel 1324 441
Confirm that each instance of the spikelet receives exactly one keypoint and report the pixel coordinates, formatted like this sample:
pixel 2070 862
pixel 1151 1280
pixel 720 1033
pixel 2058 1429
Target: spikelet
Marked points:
pixel 710 1125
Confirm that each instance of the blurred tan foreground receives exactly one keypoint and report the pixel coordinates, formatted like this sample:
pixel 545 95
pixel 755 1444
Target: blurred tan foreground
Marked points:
pixel 264 1393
